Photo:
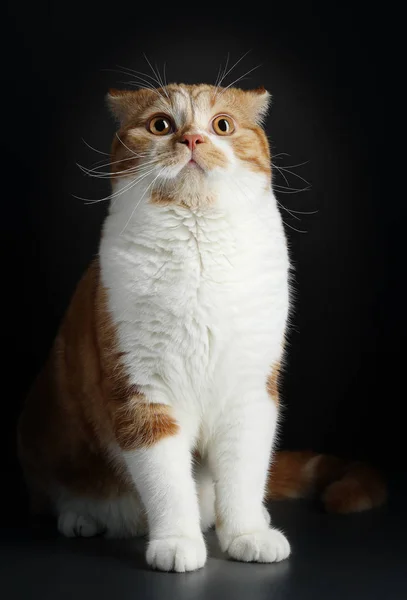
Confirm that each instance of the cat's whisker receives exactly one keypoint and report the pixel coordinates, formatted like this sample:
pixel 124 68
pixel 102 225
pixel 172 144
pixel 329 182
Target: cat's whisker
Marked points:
pixel 294 166
pixel 281 169
pixel 133 183
pixel 233 67
pixel 115 194
pixel 282 174
pixel 134 72
pixel 164 75
pixel 239 79
pixel 288 210
pixel 109 173
pixel 96 167
pixel 145 83
pixel 157 79
pixel 141 198
pixel 220 76
pixel 304 212
pixel 280 154
pixel 161 82
pixel 127 148
pixel 284 190
pixel 150 82
pixel 293 228
pixel 141 84
pixel 217 77
pixel 94 149
pixel 156 74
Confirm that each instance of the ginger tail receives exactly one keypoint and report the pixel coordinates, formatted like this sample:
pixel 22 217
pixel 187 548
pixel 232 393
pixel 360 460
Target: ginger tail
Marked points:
pixel 344 486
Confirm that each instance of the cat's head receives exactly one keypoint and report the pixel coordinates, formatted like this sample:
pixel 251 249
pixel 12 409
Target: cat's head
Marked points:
pixel 186 139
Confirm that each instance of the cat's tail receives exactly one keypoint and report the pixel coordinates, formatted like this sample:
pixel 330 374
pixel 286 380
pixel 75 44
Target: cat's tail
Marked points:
pixel 345 487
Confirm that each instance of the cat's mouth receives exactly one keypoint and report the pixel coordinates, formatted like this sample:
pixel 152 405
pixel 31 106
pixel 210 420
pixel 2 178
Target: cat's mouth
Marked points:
pixel 194 164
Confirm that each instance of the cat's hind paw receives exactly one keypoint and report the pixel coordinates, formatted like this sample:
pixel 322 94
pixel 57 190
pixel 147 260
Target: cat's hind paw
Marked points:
pixel 178 554
pixel 71 524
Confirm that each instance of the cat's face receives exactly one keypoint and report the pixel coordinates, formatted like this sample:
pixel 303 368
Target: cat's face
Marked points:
pixel 187 138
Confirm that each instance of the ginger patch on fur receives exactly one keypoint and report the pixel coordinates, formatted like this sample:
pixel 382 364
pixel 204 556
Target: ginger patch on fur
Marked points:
pixel 273 383
pixel 141 425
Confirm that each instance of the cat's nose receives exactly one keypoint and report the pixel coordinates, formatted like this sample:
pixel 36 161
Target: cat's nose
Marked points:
pixel 192 140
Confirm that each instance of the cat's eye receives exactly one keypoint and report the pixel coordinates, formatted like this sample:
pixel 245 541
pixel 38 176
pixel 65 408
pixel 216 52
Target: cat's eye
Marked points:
pixel 223 125
pixel 160 125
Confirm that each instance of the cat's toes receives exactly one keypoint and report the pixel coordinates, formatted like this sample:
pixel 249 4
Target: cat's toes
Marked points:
pixel 176 554
pixel 265 546
pixel 70 524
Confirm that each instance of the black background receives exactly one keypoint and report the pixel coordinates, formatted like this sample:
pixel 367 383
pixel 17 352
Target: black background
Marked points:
pixel 324 67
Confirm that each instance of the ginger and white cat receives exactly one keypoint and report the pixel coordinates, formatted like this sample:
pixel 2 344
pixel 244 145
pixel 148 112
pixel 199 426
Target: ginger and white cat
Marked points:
pixel 157 409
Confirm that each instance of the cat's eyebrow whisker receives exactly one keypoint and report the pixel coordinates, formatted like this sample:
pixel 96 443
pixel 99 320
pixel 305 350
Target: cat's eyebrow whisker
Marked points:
pixel 150 85
pixel 134 72
pixel 142 84
pixel 221 76
pixel 149 81
pixel 164 75
pixel 239 79
pixel 234 66
pixel 162 83
pixel 157 75
pixel 217 77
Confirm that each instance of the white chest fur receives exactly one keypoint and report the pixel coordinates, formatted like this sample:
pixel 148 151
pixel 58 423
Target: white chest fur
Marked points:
pixel 200 299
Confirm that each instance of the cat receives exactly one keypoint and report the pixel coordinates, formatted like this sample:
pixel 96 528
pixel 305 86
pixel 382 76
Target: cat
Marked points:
pixel 156 412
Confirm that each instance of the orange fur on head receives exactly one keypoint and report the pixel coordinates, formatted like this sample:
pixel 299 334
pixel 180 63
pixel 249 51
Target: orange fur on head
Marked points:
pixel 135 146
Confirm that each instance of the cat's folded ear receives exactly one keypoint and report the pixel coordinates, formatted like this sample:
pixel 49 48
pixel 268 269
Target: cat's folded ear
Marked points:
pixel 125 103
pixel 259 101
pixel 119 102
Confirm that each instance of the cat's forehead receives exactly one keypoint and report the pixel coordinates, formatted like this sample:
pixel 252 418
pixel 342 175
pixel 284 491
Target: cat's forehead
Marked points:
pixel 190 103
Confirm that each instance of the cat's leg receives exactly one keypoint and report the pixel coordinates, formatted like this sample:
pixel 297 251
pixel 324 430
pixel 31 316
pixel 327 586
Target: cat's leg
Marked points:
pixel 119 517
pixel 160 465
pixel 239 458
pixel 206 495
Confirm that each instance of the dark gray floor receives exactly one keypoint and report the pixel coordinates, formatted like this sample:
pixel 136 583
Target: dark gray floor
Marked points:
pixel 334 558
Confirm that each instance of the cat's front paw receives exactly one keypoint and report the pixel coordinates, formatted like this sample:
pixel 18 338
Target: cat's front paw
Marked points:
pixel 265 546
pixel 178 554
